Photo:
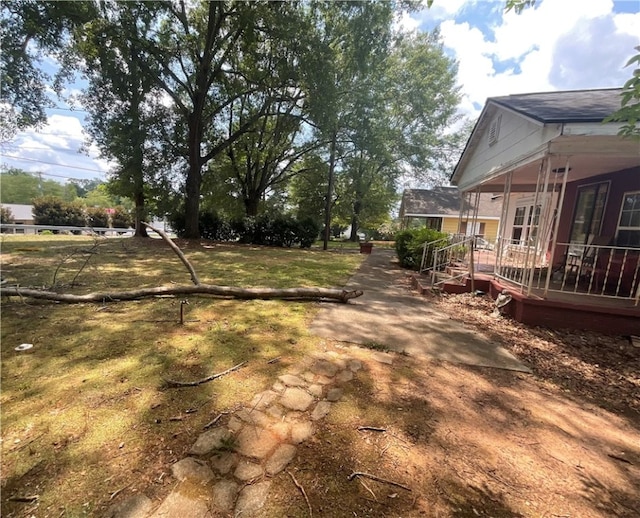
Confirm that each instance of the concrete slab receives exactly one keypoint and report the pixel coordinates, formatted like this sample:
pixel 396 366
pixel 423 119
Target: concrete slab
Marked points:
pixel 389 314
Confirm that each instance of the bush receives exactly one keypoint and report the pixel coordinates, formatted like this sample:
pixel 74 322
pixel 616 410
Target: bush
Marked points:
pixel 308 232
pixel 6 216
pixel 97 217
pixel 121 218
pixel 409 246
pixel 50 210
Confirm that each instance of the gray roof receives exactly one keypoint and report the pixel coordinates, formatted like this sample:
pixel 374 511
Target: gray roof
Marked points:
pixel 445 201
pixel 567 106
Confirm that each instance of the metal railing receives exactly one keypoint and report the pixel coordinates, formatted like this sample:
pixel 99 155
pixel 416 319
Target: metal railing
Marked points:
pixel 16 228
pixel 603 271
pixel 442 256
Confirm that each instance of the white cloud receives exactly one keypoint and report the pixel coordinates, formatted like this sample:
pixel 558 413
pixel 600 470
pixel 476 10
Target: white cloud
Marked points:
pixel 55 149
pixel 558 45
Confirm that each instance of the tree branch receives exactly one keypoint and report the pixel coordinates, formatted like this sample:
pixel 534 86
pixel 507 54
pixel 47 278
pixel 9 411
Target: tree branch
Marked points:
pixel 174 247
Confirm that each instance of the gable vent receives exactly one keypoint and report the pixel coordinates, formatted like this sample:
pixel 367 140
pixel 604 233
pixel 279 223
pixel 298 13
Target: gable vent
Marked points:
pixel 494 130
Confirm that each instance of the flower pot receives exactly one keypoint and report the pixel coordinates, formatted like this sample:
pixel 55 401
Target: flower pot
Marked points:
pixel 365 248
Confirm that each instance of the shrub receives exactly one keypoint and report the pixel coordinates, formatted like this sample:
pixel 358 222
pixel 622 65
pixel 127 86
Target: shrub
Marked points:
pixel 97 217
pixel 50 210
pixel 308 231
pixel 409 246
pixel 121 218
pixel 6 216
pixel 284 231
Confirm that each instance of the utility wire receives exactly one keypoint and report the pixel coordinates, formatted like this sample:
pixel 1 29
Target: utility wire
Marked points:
pixel 52 163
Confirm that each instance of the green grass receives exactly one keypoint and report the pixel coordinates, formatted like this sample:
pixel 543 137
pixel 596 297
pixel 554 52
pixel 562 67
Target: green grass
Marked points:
pixel 84 411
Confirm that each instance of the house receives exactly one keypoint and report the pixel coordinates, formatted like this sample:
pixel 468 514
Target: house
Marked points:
pixel 22 215
pixel 443 209
pixel 569 246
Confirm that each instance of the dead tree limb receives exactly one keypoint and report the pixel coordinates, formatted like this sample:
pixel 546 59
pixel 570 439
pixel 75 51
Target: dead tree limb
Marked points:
pixel 304 493
pixel 174 247
pixel 175 384
pixel 379 479
pixel 200 289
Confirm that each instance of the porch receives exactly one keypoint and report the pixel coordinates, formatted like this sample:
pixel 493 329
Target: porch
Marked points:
pixel 595 287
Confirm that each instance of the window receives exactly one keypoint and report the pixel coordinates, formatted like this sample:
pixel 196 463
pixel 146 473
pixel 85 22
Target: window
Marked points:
pixel 525 225
pixel 629 226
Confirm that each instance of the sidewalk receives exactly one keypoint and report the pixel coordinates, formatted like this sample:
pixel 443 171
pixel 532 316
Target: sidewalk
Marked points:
pixel 390 315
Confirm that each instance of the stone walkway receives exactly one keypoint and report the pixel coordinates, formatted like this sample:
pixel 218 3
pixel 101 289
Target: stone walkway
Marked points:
pixel 229 468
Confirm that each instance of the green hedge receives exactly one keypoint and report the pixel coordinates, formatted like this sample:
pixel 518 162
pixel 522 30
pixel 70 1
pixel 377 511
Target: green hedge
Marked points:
pixel 409 246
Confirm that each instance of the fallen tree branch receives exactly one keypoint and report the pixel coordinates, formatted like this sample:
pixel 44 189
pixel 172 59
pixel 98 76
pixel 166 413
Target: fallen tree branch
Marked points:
pixel 174 247
pixel 379 479
pixel 299 486
pixel 174 383
pixel 200 289
pixel 371 429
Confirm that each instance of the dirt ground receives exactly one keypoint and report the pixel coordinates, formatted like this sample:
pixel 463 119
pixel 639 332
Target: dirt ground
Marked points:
pixel 447 440
pixel 562 442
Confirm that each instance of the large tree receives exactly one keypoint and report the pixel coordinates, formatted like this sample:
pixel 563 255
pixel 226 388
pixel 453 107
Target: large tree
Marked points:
pixel 122 98
pixel 31 30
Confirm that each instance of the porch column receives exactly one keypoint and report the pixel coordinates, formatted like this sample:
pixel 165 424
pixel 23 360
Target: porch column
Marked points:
pixel 554 241
pixel 536 202
pixel 506 196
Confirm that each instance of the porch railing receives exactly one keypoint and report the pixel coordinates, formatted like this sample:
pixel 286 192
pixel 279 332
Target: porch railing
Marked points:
pixel 444 255
pixel 592 270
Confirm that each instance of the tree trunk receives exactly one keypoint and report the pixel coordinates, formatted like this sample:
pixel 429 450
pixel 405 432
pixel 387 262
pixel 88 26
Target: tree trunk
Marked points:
pixel 194 180
pixel 251 205
pixel 329 200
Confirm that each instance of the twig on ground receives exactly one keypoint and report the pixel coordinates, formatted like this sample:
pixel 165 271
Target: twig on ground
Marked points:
pixel 118 491
pixel 621 459
pixel 379 479
pixel 297 484
pixel 275 360
pixel 174 383
pixel 25 499
pixel 368 489
pixel 214 420
pixel 371 428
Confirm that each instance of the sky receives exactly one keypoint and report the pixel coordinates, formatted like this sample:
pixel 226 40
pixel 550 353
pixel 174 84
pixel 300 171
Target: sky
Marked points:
pixel 557 45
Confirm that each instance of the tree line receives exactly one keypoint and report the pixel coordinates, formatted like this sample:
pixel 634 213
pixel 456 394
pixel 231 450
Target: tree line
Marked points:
pixel 315 109
pixel 310 108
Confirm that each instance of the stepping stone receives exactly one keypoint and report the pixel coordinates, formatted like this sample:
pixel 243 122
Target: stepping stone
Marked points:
pixel 321 410
pixel 224 462
pixel 309 377
pixel 252 498
pixel 324 368
pixel 248 471
pixel 323 380
pixel 137 506
pixel 315 390
pixel 255 442
pixel 334 394
pixel 295 398
pixel 281 430
pixel 300 432
pixel 253 417
pixel 235 424
pixel 280 458
pixel 291 381
pixel 209 441
pixel 185 500
pixel 344 376
pixel 224 495
pixel 355 365
pixel 278 387
pixel 383 358
pixel 263 399
pixel 275 411
pixel 192 469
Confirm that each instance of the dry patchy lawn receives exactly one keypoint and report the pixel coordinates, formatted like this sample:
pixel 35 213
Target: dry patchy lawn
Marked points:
pixel 84 414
